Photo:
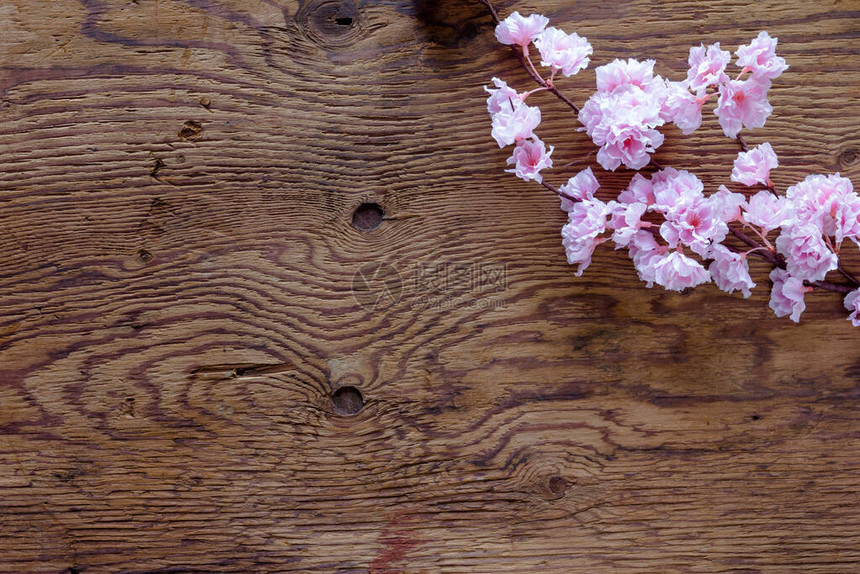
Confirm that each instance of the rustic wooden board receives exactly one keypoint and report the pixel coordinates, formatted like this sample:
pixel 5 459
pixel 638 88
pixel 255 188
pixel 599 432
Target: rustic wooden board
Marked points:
pixel 177 263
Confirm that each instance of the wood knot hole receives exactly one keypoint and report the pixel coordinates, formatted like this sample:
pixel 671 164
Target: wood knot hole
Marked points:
pixel 368 216
pixel 848 157
pixel 347 401
pixel 557 485
pixel 331 21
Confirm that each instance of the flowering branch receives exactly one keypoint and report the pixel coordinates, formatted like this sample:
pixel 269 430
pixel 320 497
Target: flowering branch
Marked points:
pixel 523 56
pixel 673 232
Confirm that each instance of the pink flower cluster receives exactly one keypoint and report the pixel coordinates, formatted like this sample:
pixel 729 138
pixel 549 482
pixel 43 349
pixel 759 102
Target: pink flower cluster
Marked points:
pixel 622 117
pixel 513 120
pixel 682 223
pixel 676 235
pixel 741 103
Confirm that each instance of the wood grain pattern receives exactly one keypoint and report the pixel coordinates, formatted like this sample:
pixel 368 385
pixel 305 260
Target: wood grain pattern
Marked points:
pixel 177 273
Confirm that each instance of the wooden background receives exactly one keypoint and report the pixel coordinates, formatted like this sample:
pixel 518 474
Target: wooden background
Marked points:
pixel 177 261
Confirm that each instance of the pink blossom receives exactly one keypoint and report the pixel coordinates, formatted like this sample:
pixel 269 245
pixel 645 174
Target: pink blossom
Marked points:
pixel 852 303
pixel 682 108
pixel 743 104
pixel 760 57
pixel 520 31
pixel 645 252
pixel 643 241
pixel 627 220
pixel 626 73
pixel 730 270
pixel 707 66
pixel 622 115
pixel 696 226
pixel 806 254
pixel 846 221
pixel 639 190
pixel 632 148
pixel 728 204
pixel 579 251
pixel 502 97
pixel 581 234
pixel 622 124
pixel 786 297
pixel 767 211
pixel 581 186
pixel 753 166
pixel 677 272
pixel 566 52
pixel 828 202
pixel 513 125
pixel 530 157
pixel 675 190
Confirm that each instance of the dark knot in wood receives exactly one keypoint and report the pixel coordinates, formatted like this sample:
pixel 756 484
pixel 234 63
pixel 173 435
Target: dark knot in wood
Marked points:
pixel 331 22
pixel 347 401
pixel 848 158
pixel 367 216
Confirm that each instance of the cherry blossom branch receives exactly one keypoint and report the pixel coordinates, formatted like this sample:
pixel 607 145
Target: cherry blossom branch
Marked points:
pixel 672 230
pixel 522 56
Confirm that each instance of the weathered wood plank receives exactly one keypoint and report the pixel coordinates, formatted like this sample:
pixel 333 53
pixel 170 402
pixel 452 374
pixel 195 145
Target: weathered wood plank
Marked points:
pixel 177 267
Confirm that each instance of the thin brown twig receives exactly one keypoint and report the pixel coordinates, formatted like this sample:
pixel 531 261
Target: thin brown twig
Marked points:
pixel 656 164
pixel 557 191
pixel 831 287
pixel 847 274
pixel 492 11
